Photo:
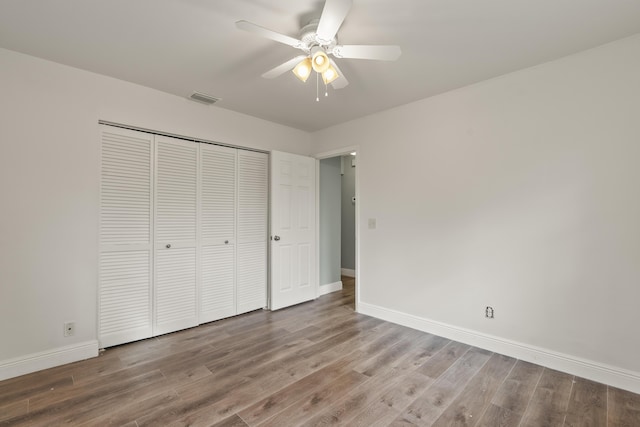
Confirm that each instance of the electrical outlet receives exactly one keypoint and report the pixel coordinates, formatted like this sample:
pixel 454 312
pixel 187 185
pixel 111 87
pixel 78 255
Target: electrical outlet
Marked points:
pixel 488 312
pixel 69 329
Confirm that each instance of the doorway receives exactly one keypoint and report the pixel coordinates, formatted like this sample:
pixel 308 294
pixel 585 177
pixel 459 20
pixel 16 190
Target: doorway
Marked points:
pixel 337 223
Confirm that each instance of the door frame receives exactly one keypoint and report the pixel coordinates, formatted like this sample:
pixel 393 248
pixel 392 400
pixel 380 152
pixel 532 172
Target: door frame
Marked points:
pixel 326 155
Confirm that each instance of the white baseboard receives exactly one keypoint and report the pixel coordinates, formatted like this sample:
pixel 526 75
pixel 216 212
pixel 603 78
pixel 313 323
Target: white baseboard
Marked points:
pixel 47 359
pixel 599 372
pixel 348 272
pixel 330 287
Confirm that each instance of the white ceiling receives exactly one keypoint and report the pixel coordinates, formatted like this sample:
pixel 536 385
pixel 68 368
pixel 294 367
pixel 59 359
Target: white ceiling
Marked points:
pixel 181 46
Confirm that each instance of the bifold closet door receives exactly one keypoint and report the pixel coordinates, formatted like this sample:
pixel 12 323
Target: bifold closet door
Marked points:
pixel 176 220
pixel 126 206
pixel 253 192
pixel 183 234
pixel 218 199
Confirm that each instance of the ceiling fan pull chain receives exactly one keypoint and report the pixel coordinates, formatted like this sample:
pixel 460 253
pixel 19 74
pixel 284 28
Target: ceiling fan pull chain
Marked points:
pixel 326 89
pixel 317 88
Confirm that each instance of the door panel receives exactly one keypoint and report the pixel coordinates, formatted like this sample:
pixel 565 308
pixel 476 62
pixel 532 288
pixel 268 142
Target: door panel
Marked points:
pixel 293 221
pixel 218 236
pixel 175 289
pixel 218 292
pixel 253 193
pixel 175 235
pixel 304 265
pixel 124 280
pixel 252 276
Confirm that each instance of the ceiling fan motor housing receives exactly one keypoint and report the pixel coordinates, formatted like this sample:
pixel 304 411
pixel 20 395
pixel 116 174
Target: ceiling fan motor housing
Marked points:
pixel 309 38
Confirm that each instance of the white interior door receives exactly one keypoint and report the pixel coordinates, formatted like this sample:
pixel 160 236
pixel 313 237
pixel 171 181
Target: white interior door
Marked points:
pixel 293 245
pixel 176 219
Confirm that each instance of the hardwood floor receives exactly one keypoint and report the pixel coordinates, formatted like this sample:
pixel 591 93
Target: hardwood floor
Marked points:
pixel 314 364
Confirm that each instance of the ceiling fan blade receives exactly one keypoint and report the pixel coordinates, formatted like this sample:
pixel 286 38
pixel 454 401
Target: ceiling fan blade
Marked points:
pixel 333 15
pixel 379 52
pixel 341 81
pixel 283 68
pixel 268 34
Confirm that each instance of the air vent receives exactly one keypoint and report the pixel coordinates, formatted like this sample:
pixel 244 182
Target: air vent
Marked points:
pixel 205 99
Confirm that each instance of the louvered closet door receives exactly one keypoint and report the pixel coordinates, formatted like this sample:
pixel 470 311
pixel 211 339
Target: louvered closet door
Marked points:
pixel 124 283
pixel 176 212
pixel 218 232
pixel 252 230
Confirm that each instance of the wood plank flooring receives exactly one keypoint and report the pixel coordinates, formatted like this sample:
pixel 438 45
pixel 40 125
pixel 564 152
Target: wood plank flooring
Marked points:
pixel 314 364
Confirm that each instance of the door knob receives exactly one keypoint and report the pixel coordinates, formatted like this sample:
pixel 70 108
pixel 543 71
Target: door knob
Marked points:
pixel 226 242
pixel 276 238
pixel 168 245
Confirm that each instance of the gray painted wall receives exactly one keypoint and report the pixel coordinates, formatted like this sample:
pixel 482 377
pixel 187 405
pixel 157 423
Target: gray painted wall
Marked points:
pixel 348 215
pixel 524 194
pixel 330 218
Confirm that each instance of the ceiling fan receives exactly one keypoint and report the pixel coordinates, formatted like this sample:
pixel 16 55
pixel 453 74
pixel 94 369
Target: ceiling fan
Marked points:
pixel 318 40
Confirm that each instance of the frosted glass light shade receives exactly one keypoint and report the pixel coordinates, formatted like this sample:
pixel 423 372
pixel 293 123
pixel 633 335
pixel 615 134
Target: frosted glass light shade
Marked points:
pixel 303 69
pixel 330 75
pixel 319 59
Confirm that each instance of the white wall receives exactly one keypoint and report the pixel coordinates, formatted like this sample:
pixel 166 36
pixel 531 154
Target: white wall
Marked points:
pixel 348 234
pixel 49 192
pixel 521 192
pixel 329 220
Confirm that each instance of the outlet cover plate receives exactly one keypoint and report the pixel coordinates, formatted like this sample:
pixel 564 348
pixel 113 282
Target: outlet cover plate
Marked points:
pixel 69 329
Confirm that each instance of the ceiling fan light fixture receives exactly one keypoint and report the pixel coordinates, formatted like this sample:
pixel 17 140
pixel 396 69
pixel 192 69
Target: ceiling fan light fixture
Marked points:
pixel 329 75
pixel 319 59
pixel 303 69
pixel 318 39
